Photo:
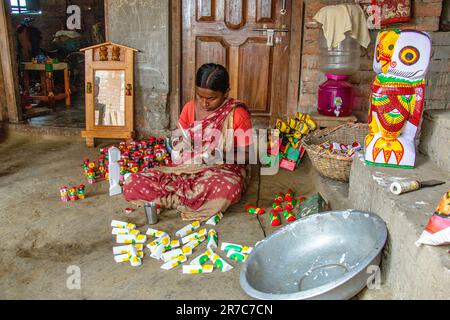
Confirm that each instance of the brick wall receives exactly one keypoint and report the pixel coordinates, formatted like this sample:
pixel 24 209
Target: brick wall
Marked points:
pixel 426 15
pixel 438 79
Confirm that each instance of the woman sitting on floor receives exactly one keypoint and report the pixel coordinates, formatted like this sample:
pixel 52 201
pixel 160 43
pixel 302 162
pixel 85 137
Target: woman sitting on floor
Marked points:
pixel 199 191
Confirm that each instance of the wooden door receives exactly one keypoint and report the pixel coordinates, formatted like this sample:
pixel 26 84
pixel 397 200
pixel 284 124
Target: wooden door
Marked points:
pixel 223 32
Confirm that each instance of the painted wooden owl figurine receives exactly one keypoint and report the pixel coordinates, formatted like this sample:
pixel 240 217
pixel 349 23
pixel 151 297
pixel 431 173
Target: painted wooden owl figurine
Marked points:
pixel 401 62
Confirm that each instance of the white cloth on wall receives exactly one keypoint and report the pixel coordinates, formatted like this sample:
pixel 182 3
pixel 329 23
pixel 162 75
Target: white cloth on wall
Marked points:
pixel 337 20
pixel 68 33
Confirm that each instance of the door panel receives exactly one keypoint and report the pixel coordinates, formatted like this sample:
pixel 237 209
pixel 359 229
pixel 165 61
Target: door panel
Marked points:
pixel 265 10
pixel 222 31
pixel 212 49
pixel 254 81
pixel 235 13
pixel 206 10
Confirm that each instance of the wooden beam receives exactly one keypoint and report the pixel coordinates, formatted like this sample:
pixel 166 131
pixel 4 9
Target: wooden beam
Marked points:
pixel 9 71
pixel 106 20
pixel 234 71
pixel 175 62
pixel 3 110
pixel 295 57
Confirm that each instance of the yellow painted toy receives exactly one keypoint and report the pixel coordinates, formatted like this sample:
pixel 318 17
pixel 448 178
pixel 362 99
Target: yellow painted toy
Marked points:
pixel 296 128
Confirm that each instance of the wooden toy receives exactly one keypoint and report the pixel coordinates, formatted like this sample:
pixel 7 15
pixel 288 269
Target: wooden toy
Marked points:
pixel 402 59
pixel 254 210
pixel 274 219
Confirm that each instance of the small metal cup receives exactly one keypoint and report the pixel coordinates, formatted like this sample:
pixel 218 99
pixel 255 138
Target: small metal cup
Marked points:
pixel 151 213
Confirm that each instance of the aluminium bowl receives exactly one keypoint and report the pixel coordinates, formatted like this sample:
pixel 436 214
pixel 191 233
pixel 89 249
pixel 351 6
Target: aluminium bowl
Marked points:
pixel 327 256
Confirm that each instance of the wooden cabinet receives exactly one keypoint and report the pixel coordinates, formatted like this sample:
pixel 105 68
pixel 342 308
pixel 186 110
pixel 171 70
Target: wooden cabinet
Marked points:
pixel 109 90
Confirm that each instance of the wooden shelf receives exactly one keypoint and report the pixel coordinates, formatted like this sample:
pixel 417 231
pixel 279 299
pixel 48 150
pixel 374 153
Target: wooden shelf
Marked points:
pixel 56 97
pixel 330 122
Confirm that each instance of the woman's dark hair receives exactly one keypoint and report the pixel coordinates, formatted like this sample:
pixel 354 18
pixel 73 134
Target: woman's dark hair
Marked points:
pixel 213 77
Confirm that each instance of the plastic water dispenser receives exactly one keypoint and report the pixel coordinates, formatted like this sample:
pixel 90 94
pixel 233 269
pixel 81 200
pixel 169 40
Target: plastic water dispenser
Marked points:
pixel 338 64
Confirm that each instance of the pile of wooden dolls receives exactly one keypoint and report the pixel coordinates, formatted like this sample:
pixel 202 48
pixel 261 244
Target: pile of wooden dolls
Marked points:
pixel 286 147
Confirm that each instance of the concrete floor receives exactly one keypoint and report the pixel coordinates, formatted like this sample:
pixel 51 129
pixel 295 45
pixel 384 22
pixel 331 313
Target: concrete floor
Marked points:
pixel 74 117
pixel 41 237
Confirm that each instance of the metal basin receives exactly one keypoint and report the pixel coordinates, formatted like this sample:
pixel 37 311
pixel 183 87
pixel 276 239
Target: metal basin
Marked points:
pixel 325 256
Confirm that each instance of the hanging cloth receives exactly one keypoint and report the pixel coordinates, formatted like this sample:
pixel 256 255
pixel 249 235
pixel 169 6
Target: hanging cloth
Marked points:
pixel 337 20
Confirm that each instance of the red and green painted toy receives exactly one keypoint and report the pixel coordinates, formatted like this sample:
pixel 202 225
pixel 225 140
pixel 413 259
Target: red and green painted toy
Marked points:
pixel 274 219
pixel 288 216
pixel 289 196
pixel 279 198
pixel 254 210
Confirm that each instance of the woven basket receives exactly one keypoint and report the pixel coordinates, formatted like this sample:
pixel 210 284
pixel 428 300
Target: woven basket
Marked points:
pixel 336 167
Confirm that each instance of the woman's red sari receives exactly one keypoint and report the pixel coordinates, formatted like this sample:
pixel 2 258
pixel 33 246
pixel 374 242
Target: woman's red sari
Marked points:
pixel 196 191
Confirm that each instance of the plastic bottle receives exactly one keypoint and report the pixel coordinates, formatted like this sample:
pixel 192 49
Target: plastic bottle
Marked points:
pixel 344 59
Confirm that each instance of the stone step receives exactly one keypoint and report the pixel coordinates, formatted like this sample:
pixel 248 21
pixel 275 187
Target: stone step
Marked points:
pixel 334 192
pixel 408 271
pixel 44 131
pixel 435 138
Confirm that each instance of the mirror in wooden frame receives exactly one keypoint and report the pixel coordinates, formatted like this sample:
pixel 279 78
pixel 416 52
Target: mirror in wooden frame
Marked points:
pixel 109 92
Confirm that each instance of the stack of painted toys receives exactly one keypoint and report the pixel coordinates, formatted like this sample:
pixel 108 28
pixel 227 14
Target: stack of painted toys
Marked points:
pixel 288 145
pixel 136 156
pixel 93 173
pixel 73 193
pixel 286 210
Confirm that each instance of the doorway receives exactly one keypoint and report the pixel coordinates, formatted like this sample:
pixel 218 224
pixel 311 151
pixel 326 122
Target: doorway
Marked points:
pixel 258 41
pixel 47 37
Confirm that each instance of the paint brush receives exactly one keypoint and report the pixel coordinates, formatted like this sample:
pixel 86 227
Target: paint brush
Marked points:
pixel 183 132
pixel 399 188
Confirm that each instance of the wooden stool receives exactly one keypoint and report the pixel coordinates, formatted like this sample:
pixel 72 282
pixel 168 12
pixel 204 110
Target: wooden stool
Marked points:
pixel 331 122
